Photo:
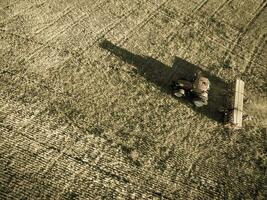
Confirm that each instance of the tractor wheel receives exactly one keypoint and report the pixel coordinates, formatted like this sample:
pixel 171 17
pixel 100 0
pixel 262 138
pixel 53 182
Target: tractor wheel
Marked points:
pixel 179 93
pixel 199 103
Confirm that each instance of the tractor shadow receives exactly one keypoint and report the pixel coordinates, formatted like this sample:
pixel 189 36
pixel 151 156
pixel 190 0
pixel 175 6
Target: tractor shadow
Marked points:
pixel 163 76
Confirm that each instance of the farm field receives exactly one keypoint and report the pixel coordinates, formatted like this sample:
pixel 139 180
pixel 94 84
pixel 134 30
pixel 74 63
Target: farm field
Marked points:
pixel 86 110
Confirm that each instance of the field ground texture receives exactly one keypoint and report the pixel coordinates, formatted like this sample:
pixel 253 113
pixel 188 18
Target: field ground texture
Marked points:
pixel 85 107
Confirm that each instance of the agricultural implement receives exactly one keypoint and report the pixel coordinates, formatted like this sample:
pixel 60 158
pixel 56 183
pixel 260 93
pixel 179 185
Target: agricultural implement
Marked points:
pixel 234 110
pixel 197 90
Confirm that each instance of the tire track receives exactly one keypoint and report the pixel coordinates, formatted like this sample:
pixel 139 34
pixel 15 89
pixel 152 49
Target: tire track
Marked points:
pixel 121 42
pixel 96 6
pixel 211 39
pixel 42 161
pixel 64 13
pixel 40 49
pixel 44 46
pixel 126 37
pixel 64 168
pixel 47 45
pixel 241 34
pixel 108 29
pixel 204 19
pixel 28 39
pixel 113 24
pixel 107 172
pixel 6 21
pixel 258 47
pixel 98 37
pixel 203 24
pixel 119 175
pixel 200 5
pixel 100 34
pixel 222 46
pixel 141 24
pixel 205 178
pixel 111 157
pixel 220 7
pixel 108 156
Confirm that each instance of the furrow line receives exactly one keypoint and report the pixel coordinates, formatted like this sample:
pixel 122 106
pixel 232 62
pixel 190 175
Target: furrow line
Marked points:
pixel 199 6
pixel 141 24
pixel 258 47
pixel 220 7
pixel 111 172
pixel 42 161
pixel 256 14
pixel 119 174
pixel 97 37
pixel 6 21
pixel 68 10
pixel 211 39
pixel 43 46
pixel 17 119
pixel 64 13
pixel 204 19
pixel 101 33
pixel 193 15
pixel 244 31
pixel 156 57
pixel 40 49
pixel 29 39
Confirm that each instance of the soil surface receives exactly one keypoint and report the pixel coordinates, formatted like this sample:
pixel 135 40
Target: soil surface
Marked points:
pixel 86 110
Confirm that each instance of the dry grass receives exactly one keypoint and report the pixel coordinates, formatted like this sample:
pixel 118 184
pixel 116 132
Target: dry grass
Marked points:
pixel 85 104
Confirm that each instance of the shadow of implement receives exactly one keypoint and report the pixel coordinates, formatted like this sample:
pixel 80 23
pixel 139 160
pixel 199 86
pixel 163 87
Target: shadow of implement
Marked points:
pixel 163 76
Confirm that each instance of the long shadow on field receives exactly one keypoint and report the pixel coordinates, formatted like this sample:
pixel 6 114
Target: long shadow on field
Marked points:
pixel 163 76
